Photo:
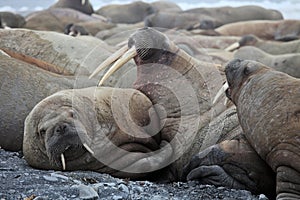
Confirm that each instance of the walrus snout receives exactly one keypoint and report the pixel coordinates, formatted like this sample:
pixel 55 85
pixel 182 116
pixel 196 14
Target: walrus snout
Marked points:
pixel 148 43
pixel 62 129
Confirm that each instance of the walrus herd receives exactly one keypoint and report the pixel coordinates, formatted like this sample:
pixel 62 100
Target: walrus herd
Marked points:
pixel 214 101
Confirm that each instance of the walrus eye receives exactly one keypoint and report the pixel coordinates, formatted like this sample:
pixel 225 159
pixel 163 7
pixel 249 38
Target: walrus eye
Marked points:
pixel 247 70
pixel 42 132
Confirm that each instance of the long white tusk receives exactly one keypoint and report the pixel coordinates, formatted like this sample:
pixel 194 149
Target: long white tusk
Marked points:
pixel 82 2
pixel 119 63
pixel 88 148
pixel 233 47
pixel 115 56
pixel 121 44
pixel 63 161
pixel 5 54
pixel 220 92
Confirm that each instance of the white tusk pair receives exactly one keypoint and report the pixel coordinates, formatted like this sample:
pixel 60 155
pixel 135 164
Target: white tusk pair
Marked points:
pixel 63 160
pixel 121 57
pixel 233 47
pixel 220 92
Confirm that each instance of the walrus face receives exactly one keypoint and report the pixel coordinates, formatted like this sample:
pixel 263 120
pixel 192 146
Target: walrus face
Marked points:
pixel 59 132
pixel 238 72
pixel 145 46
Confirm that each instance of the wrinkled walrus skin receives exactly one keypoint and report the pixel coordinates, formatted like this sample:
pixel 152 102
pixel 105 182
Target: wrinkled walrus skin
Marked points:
pixel 268 106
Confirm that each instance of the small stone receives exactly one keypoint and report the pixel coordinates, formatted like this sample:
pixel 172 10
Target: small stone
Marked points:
pixel 87 192
pixel 50 178
pixel 123 188
pixel 59 176
pixel 115 197
pixel 262 197
pixel 41 198
pixel 137 189
pixel 11 191
pixel 77 182
pixel 109 184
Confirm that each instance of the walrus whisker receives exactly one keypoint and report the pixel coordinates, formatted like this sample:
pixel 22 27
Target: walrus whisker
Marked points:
pixel 233 47
pixel 63 161
pixel 220 92
pixel 88 148
pixel 119 63
pixel 115 56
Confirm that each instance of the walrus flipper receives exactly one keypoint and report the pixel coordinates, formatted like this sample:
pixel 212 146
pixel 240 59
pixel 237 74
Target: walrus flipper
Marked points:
pixel 232 164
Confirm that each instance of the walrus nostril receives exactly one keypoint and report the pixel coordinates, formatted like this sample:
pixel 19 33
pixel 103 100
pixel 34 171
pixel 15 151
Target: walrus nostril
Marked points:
pixel 61 129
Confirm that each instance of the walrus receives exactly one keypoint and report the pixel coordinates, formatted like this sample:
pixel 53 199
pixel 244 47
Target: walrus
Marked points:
pixel 228 14
pixel 180 20
pixel 55 19
pixel 127 13
pixel 11 20
pixel 22 86
pixel 157 59
pixel 287 63
pixel 281 30
pixel 83 6
pixel 168 6
pixel 78 129
pixel 271 47
pixel 268 104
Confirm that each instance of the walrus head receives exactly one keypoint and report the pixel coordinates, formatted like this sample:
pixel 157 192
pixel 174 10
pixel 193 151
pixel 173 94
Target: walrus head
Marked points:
pixel 59 131
pixel 238 73
pixel 53 134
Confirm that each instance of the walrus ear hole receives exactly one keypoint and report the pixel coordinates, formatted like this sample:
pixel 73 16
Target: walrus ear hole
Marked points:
pixel 247 71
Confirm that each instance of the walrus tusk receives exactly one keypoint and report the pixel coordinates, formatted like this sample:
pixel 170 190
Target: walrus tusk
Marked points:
pixel 119 63
pixel 233 47
pixel 63 161
pixel 82 2
pixel 4 53
pixel 88 148
pixel 115 56
pixel 220 92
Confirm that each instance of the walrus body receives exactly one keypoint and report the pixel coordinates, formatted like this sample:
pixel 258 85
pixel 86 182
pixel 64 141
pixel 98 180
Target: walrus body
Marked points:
pixel 227 14
pixel 83 6
pixel 11 20
pixel 210 18
pixel 128 13
pixel 287 63
pixel 268 104
pixel 55 19
pixel 271 47
pixel 22 87
pixel 283 30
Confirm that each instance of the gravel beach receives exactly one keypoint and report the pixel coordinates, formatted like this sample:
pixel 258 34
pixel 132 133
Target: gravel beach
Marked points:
pixel 19 181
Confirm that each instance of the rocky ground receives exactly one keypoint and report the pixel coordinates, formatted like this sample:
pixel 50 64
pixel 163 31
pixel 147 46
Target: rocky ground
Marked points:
pixel 19 181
